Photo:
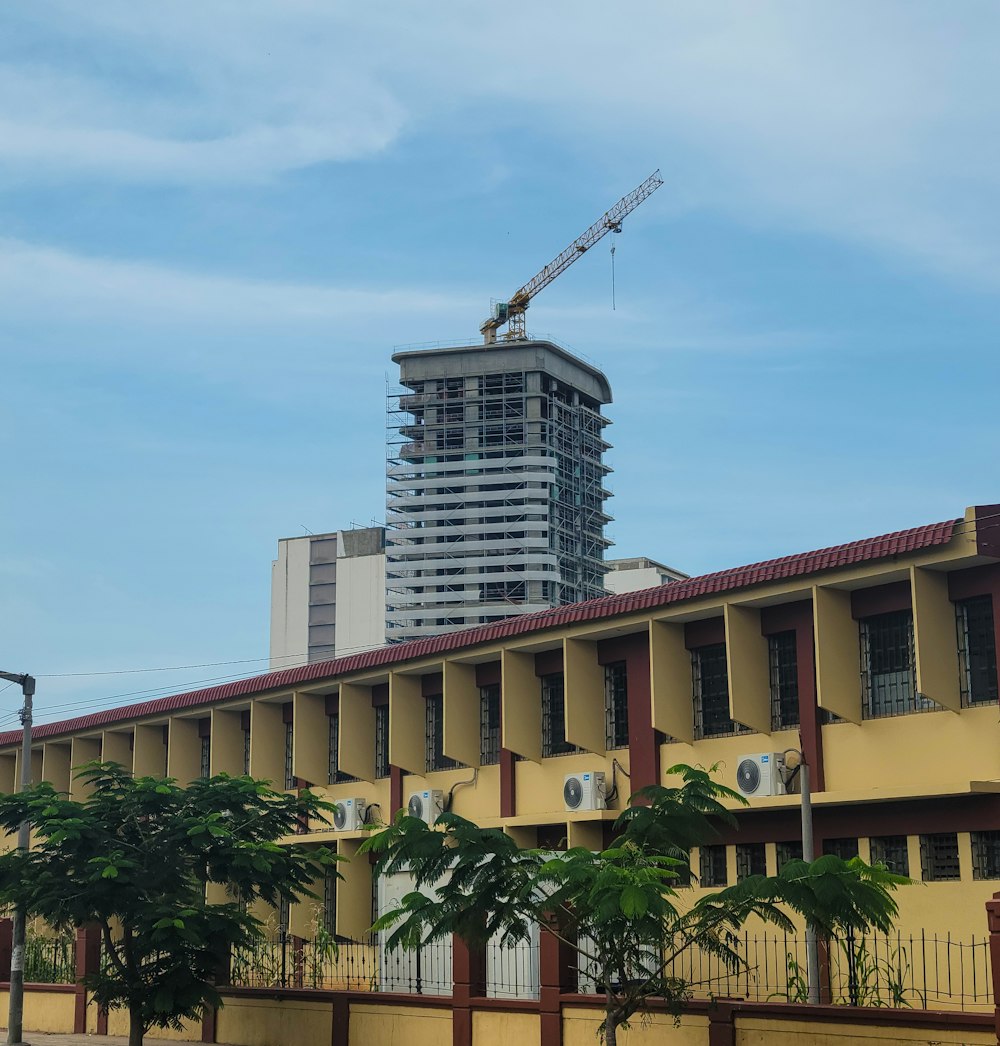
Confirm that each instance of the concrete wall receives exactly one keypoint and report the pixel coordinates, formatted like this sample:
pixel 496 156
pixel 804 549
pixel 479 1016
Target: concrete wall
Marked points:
pixel 290 603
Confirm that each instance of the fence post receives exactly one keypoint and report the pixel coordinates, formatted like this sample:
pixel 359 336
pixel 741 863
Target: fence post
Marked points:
pixel 468 974
pixel 210 1015
pixel 6 947
pixel 993 922
pixel 88 960
pixel 555 976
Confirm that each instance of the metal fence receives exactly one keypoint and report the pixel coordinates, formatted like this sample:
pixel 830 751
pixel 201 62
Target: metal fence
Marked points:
pixel 49 960
pixel 913 971
pixel 512 969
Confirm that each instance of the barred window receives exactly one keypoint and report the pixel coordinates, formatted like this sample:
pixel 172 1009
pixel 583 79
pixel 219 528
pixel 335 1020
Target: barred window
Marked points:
pixel 554 716
pixel 986 855
pixel 616 705
pixel 711 692
pixel 892 851
pixel 382 741
pixel 788 851
pixel 489 724
pixel 246 750
pixel 434 735
pixel 289 749
pixel 784 665
pixel 712 867
pixel 844 848
pixel 888 671
pixel 330 902
pixel 751 859
pixel 334 774
pixel 977 650
pixel 939 857
pixel 205 762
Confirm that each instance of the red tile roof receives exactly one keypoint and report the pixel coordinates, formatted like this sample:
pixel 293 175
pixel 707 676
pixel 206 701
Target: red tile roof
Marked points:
pixel 805 563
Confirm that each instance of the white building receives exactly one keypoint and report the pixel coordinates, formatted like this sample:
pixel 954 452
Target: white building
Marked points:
pixel 633 575
pixel 327 596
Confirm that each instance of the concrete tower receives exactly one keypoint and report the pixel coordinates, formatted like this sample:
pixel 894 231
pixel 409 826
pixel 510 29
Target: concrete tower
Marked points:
pixel 495 490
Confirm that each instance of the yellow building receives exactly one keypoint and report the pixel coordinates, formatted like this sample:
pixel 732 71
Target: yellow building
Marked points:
pixel 877 659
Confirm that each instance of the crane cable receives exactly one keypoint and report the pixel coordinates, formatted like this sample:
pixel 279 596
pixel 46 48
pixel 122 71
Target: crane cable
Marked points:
pixel 613 235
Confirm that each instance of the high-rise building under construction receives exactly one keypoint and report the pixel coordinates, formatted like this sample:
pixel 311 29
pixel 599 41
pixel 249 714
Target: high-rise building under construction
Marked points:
pixel 496 485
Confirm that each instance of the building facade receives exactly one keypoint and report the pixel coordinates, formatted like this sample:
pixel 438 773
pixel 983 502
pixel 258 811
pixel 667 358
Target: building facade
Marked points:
pixel 495 487
pixel 327 596
pixel 876 659
pixel 637 573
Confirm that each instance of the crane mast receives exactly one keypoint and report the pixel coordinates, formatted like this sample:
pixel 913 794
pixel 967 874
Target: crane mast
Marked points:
pixel 512 311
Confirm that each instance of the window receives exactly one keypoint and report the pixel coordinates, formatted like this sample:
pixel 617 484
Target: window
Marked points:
pixel 554 717
pixel 712 867
pixel 434 735
pixel 489 724
pixel 616 705
pixel 751 859
pixel 845 848
pixel 246 750
pixel 382 741
pixel 205 762
pixel 289 749
pixel 977 650
pixel 986 855
pixel 890 850
pixel 335 775
pixel 784 666
pixel 888 672
pixel 939 857
pixel 330 902
pixel 788 851
pixel 711 692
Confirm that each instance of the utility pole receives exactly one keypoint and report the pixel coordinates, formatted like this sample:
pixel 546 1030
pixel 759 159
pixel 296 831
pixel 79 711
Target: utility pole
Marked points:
pixel 16 1014
pixel 795 761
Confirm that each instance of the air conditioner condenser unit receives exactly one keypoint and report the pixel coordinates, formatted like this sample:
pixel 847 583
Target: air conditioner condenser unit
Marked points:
pixel 761 774
pixel 349 815
pixel 426 804
pixel 584 791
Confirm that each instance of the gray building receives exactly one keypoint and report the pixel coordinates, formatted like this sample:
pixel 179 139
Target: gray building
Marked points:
pixel 638 573
pixel 495 487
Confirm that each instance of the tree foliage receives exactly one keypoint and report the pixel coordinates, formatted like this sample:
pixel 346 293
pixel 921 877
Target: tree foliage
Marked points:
pixel 136 856
pixel 619 909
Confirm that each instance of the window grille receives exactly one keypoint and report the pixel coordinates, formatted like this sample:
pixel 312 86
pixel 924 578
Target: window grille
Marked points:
pixel 382 741
pixel 335 775
pixel 977 650
pixel 784 665
pixel 939 857
pixel 616 705
pixel 246 751
pixel 890 850
pixel 845 848
pixel 788 851
pixel 888 671
pixel 751 859
pixel 712 867
pixel 986 855
pixel 289 743
pixel 711 693
pixel 434 735
pixel 330 902
pixel 554 717
pixel 489 725
pixel 205 764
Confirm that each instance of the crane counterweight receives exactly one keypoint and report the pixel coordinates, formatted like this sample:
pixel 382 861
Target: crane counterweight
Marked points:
pixel 512 311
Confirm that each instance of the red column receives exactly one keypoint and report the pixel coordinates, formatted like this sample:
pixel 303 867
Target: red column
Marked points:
pixel 993 922
pixel 468 965
pixel 508 783
pixel 6 947
pixel 88 960
pixel 555 975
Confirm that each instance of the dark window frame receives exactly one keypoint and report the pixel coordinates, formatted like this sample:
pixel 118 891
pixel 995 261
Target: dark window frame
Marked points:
pixel 751 859
pixel 710 693
pixel 289 755
pixel 844 847
pixel 381 741
pixel 940 860
pixel 891 850
pixel 985 854
pixel 977 651
pixel 554 741
pixel 434 757
pixel 246 751
pixel 888 666
pixel 787 850
pixel 783 672
pixel 334 774
pixel 490 724
pixel 205 757
pixel 713 865
pixel 616 705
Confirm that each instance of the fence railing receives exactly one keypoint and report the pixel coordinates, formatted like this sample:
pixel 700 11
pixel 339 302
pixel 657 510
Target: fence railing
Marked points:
pixel 49 960
pixel 914 971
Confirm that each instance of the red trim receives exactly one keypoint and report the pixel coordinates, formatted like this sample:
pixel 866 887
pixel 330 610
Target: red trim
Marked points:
pixel 882 599
pixel 643 744
pixel 395 791
pixel 205 726
pixel 508 784
pixel 432 685
pixel 708 632
pixel 549 662
pixel 803 564
pixel 331 705
pixel 488 674
pixel 810 730
pixel 988 530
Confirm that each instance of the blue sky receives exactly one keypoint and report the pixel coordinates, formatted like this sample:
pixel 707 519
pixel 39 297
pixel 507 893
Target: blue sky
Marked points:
pixel 218 220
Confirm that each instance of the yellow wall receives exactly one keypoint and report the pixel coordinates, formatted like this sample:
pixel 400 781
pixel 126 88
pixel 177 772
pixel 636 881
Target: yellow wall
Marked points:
pixel 491 1027
pixel 184 750
pixel 580 1029
pixel 373 1025
pixel 44 1011
pixel 755 1031
pixel 273 1022
pixel 118 1025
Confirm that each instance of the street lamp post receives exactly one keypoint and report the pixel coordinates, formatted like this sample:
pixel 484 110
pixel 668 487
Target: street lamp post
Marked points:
pixel 16 1013
pixel 798 763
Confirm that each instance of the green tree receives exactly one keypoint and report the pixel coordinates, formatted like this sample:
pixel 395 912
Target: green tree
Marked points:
pixel 618 909
pixel 135 857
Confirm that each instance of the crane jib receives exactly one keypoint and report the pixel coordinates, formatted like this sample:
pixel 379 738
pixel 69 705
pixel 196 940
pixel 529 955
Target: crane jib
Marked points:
pixel 513 309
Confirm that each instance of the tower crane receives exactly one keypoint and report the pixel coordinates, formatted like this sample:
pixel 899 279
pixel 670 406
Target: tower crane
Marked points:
pixel 512 311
